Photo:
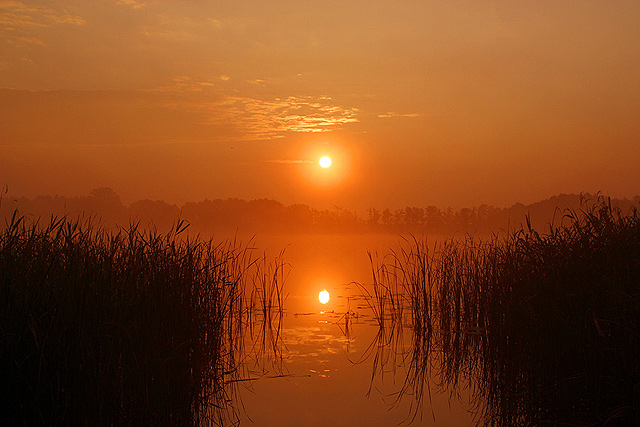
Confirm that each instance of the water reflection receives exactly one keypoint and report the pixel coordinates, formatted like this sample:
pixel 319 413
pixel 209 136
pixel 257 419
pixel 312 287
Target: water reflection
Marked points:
pixel 328 350
pixel 543 328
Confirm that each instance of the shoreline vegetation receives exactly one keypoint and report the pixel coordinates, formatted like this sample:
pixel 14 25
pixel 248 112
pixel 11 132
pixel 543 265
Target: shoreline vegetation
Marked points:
pixel 266 216
pixel 129 326
pixel 543 328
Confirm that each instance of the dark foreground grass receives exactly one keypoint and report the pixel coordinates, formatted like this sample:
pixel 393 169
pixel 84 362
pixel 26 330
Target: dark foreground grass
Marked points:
pixel 545 329
pixel 125 327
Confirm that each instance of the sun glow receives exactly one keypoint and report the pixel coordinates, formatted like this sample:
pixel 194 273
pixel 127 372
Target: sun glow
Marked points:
pixel 324 296
pixel 325 162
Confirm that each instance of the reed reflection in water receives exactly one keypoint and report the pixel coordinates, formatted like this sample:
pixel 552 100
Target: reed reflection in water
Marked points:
pixel 328 350
pixel 544 329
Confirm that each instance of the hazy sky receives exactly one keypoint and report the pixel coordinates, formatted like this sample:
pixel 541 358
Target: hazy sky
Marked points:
pixel 446 103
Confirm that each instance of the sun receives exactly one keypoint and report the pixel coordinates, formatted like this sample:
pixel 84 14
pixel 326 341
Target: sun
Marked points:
pixel 325 162
pixel 324 296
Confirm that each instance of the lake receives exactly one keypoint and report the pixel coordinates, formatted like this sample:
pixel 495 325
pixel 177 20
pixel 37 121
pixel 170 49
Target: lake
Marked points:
pixel 328 355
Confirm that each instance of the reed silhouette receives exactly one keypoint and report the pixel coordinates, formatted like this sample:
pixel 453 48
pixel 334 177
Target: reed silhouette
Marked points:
pixel 544 329
pixel 127 326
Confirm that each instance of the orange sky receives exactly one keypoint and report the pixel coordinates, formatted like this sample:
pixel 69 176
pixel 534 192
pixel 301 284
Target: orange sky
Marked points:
pixel 417 102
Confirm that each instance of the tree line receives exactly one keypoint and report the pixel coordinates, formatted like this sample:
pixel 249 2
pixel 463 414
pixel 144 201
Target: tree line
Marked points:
pixel 266 216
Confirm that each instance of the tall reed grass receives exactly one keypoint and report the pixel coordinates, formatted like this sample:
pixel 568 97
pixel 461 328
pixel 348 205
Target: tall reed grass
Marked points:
pixel 545 329
pixel 124 327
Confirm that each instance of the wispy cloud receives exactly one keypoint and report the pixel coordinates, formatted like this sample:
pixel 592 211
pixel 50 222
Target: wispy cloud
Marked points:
pixel 18 20
pixel 186 84
pixel 265 119
pixel 166 33
pixel 16 15
pixel 392 114
pixel 177 27
pixel 253 118
pixel 134 4
pixel 289 162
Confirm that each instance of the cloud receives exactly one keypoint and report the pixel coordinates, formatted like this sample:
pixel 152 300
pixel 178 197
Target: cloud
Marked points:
pixel 134 4
pixel 20 16
pixel 289 162
pixel 392 114
pixel 255 118
pixel 176 27
pixel 18 20
pixel 170 34
pixel 264 119
pixel 217 23
pixel 185 84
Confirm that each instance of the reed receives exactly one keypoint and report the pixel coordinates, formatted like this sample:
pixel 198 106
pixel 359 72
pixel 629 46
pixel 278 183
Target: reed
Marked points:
pixel 545 329
pixel 126 326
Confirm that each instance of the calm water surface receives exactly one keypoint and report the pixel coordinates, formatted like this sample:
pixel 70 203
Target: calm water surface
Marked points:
pixel 326 371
